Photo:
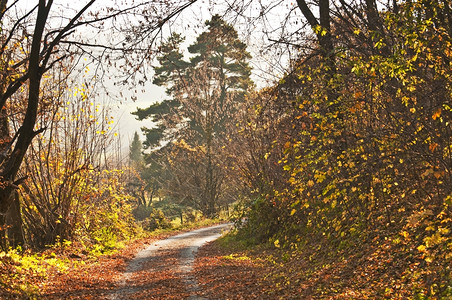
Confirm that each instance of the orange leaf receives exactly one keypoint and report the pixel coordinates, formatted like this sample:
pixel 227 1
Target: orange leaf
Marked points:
pixel 433 147
pixel 437 114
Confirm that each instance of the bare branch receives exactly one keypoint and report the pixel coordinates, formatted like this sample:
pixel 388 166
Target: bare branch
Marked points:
pixel 11 32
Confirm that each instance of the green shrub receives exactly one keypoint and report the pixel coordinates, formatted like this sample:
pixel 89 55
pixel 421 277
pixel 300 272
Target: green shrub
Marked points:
pixel 106 241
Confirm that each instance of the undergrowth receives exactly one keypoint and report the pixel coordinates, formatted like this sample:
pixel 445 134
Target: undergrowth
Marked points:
pixel 384 265
pixel 23 273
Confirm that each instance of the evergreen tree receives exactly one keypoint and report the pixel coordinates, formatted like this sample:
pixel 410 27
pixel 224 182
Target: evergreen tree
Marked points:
pixel 220 49
pixel 170 74
pixel 204 94
pixel 135 155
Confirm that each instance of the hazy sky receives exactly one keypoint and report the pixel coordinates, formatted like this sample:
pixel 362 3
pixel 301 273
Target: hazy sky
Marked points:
pixel 190 23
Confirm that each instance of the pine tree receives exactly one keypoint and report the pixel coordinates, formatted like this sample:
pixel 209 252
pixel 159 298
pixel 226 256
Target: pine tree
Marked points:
pixel 204 94
pixel 135 155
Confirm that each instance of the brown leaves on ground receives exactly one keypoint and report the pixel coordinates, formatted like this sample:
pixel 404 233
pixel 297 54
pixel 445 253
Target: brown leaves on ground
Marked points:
pixel 98 278
pixel 95 279
pixel 376 269
pixel 155 280
pixel 101 279
pixel 91 278
pixel 222 275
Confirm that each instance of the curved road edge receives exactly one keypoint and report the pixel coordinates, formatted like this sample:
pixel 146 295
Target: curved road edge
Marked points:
pixel 186 244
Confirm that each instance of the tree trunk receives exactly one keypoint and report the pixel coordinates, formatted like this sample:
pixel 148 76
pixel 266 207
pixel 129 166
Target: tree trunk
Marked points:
pixel 210 185
pixel 11 233
pixel 14 220
pixel 10 217
pixel 11 162
pixel 322 29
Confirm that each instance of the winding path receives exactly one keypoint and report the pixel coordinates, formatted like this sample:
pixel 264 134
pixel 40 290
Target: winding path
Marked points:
pixel 163 270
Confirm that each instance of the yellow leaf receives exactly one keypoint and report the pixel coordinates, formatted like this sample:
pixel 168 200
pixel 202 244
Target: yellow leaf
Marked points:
pixel 293 212
pixel 421 248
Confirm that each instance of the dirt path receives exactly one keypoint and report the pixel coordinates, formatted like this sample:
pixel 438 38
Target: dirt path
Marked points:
pixel 164 269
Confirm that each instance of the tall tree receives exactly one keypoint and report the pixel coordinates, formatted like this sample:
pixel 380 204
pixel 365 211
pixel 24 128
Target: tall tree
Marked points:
pixel 31 69
pixel 136 183
pixel 135 155
pixel 321 27
pixel 30 46
pixel 204 93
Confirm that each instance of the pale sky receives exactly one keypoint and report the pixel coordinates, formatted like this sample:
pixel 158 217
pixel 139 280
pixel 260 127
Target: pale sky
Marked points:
pixel 190 23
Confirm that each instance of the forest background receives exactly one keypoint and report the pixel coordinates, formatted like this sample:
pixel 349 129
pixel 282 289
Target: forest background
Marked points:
pixel 349 149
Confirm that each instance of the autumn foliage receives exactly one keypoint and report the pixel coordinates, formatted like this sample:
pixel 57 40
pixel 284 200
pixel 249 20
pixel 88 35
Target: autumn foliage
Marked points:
pixel 360 161
pixel 340 172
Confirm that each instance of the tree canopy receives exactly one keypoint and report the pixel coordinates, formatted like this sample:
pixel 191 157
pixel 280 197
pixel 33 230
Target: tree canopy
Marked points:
pixel 205 92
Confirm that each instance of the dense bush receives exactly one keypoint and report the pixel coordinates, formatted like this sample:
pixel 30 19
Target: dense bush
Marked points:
pixel 365 155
